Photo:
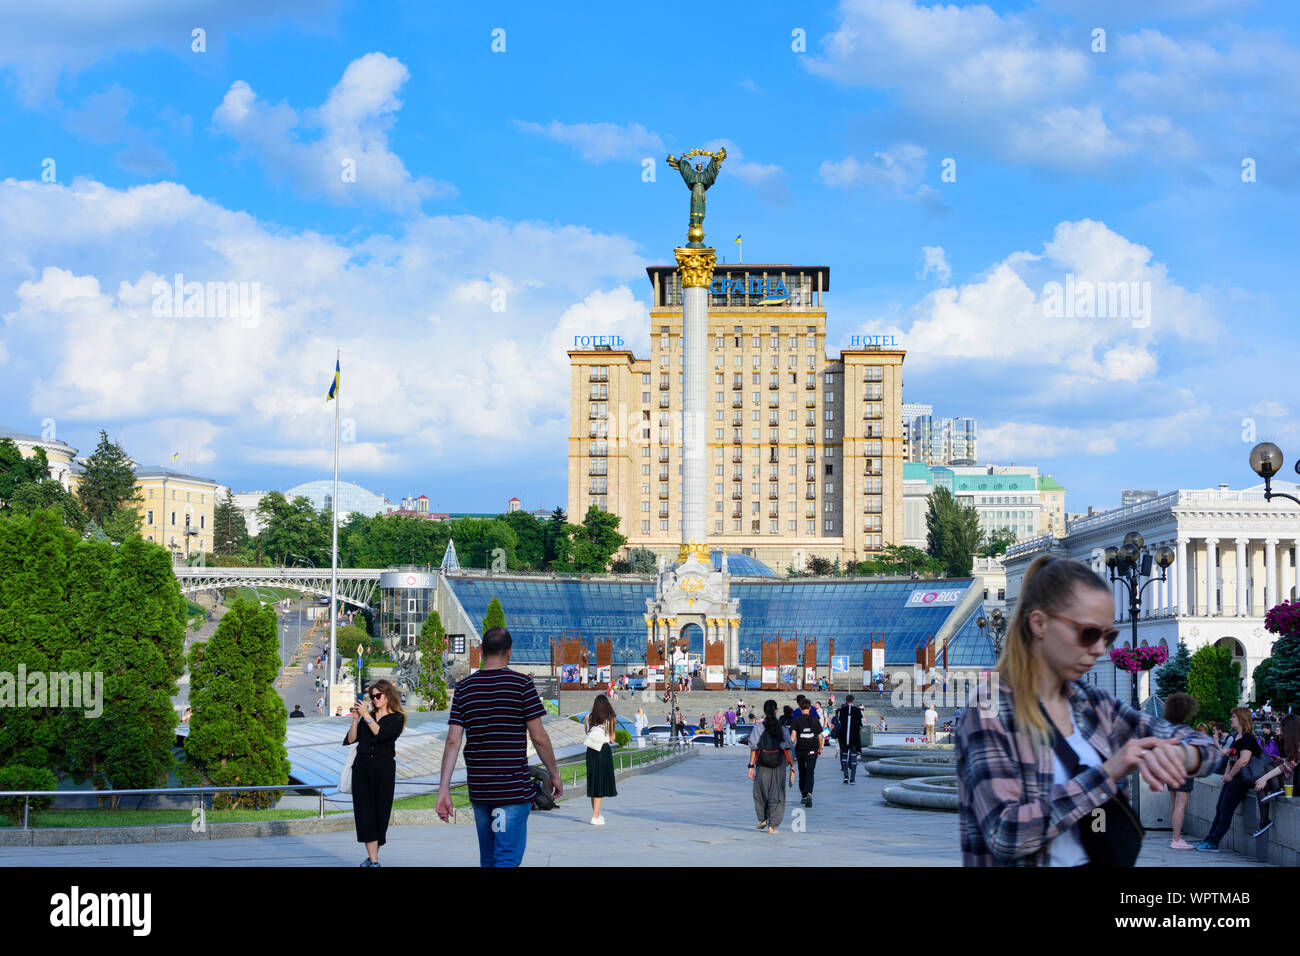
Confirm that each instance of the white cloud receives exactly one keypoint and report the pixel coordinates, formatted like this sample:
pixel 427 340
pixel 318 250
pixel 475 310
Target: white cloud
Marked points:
pixel 896 171
pixel 1031 90
pixel 1032 441
pixel 1075 347
pixel 39 43
pixel 934 262
pixel 600 142
pixel 428 364
pixel 350 161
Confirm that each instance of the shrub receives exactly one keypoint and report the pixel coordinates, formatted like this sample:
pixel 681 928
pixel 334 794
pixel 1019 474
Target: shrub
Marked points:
pixel 622 737
pixel 18 777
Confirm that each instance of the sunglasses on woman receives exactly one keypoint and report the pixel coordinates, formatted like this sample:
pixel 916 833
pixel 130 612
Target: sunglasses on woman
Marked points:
pixel 376 696
pixel 1089 634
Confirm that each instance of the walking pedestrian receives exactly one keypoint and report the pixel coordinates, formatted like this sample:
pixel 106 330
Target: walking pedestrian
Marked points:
pixel 320 706
pixel 498 708
pixel 730 718
pixel 769 757
pixel 641 722
pixel 376 724
pixel 1180 709
pixel 600 758
pixel 806 735
pixel 1021 811
pixel 849 739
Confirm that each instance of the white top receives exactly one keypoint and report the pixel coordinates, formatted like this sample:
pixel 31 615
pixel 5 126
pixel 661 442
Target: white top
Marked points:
pixel 931 715
pixel 1066 849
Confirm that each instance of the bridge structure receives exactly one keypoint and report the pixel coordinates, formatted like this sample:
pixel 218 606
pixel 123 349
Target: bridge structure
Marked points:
pixel 357 586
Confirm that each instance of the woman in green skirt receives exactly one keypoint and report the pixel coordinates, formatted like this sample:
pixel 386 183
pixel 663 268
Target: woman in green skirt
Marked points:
pixel 600 758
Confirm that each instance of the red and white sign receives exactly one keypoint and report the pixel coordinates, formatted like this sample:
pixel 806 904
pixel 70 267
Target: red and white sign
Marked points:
pixel 936 598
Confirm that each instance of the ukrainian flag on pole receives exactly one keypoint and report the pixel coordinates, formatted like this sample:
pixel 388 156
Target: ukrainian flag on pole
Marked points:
pixel 334 385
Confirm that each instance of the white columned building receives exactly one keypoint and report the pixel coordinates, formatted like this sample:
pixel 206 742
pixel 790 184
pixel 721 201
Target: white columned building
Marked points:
pixel 1235 556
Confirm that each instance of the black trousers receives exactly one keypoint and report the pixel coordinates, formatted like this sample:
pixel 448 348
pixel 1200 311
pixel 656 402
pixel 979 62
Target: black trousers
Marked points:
pixel 717 737
pixel 1232 794
pixel 373 782
pixel 807 764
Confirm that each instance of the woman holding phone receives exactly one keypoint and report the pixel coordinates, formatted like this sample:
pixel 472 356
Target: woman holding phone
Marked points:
pixel 377 721
pixel 1048 752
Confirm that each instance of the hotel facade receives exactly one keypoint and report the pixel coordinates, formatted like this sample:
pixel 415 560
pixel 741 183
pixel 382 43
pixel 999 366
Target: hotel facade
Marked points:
pixel 804 449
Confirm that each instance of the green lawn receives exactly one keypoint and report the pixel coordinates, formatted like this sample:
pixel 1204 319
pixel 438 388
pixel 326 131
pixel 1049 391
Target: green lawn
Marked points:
pixel 424 801
pixel 145 818
pixel 265 594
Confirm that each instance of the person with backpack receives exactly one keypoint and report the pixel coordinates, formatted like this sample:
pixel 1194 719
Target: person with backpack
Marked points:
pixel 769 749
pixel 848 735
pixel 806 735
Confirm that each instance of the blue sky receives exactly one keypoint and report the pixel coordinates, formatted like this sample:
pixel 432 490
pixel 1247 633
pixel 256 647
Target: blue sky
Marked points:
pixel 515 178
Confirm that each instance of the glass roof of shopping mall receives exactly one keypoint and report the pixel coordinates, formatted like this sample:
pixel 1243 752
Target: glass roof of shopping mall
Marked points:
pixel 851 610
pixel 742 565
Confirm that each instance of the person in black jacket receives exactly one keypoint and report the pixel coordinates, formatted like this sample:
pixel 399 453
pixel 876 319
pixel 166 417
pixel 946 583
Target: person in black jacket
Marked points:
pixel 848 736
pixel 376 723
pixel 806 735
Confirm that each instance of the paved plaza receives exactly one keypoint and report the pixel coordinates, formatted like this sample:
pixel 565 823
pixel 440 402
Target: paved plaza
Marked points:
pixel 698 812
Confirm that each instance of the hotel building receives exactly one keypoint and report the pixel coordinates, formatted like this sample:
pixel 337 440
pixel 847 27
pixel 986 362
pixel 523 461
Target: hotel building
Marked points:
pixel 804 448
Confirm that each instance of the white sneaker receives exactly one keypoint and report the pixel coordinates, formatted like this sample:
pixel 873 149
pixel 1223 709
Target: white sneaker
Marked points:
pixel 598 821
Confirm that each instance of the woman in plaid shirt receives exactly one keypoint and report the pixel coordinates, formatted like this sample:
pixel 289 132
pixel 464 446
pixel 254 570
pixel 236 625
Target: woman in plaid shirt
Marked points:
pixel 1017 804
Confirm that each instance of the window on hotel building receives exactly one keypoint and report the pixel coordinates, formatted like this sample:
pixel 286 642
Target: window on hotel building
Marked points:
pixel 663 524
pixel 717 527
pixel 645 527
pixel 148 517
pixel 812 526
pixel 830 524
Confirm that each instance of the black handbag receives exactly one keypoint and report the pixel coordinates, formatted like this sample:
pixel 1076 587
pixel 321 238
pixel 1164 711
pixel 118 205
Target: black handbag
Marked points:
pixel 1119 840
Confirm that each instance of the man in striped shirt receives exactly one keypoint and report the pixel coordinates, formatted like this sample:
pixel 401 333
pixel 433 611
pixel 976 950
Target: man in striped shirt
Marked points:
pixel 495 707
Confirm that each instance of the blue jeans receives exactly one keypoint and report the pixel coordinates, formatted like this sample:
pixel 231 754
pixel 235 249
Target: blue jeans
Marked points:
pixel 502 833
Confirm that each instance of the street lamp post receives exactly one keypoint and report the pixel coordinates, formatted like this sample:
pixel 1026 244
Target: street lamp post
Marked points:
pixel 1129 564
pixel 996 626
pixel 747 655
pixel 1266 461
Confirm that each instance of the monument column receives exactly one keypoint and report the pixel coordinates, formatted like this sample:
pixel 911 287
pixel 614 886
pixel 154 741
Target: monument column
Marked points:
pixel 695 267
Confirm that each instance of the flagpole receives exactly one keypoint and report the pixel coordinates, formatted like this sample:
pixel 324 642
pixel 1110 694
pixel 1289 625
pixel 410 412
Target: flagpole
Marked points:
pixel 334 545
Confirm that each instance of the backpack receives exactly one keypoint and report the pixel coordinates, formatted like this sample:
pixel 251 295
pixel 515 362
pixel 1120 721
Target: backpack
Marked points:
pixel 807 728
pixel 542 799
pixel 766 757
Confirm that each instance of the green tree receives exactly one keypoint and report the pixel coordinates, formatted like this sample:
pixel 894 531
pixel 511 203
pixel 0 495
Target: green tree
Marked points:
pixel 495 616
pixel 643 561
pixel 293 530
pixel 530 535
pixel 35 552
pixel 953 536
pixel 432 681
pixel 229 529
pixel 237 729
pixel 1265 692
pixel 555 537
pixel 139 649
pixel 108 481
pixel 1172 677
pixel 997 542
pixel 36 496
pixel 1284 675
pixel 17 471
pixel 348 638
pixel 122 523
pixel 588 547
pixel 904 559
pixel 1214 679
pixel 819 567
